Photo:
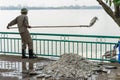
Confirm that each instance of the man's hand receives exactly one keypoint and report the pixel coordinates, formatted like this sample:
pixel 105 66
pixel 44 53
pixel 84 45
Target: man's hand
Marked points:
pixel 8 27
pixel 29 26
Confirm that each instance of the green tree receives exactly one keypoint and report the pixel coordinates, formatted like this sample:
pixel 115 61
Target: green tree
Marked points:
pixel 113 13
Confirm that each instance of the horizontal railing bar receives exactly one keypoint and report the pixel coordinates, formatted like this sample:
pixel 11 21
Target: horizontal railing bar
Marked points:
pixel 65 41
pixel 65 35
pixel 101 59
pixel 11 52
pixel 9 38
pixel 75 41
pixel 48 55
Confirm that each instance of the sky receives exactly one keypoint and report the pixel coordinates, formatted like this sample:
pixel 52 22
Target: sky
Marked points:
pixel 47 2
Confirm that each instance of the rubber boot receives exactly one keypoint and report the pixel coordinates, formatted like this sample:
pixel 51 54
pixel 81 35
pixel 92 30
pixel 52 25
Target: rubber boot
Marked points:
pixel 31 54
pixel 24 53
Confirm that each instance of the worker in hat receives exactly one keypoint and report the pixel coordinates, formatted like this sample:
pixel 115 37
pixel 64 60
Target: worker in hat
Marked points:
pixel 23 24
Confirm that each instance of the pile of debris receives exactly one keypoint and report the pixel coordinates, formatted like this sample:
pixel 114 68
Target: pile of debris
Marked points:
pixel 70 66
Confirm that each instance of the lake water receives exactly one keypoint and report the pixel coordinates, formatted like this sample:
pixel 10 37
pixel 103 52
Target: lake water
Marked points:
pixel 104 26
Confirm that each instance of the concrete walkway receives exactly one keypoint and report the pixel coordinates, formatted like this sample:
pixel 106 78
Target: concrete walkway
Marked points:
pixel 15 68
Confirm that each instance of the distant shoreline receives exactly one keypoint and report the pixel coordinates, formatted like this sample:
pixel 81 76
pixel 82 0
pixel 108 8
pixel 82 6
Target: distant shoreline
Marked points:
pixel 51 8
pixel 48 9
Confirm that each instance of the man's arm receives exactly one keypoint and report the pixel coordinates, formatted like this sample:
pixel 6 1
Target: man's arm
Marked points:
pixel 13 22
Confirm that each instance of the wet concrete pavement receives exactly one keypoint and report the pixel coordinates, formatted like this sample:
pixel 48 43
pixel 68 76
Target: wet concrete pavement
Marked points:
pixel 16 68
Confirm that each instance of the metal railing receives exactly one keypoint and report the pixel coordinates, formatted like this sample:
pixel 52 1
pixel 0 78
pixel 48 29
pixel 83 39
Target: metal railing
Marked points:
pixel 47 44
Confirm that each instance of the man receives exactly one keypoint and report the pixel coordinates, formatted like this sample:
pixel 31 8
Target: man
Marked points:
pixel 22 23
pixel 118 45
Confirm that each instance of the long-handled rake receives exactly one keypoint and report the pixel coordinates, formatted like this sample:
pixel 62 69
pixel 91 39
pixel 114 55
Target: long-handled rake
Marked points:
pixel 92 22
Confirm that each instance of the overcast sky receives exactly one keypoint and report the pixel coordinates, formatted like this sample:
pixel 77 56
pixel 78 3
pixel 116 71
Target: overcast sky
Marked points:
pixel 47 2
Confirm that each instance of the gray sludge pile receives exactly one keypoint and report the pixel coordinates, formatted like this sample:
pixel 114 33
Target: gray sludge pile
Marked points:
pixel 71 66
